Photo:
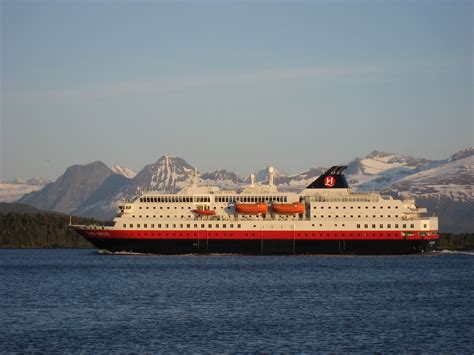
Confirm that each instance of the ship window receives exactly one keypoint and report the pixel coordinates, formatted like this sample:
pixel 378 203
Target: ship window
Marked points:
pixel 424 225
pixel 174 225
pixel 152 226
pixel 238 225
pixel 124 226
pixel 337 207
pixel 188 226
pixel 404 226
pixel 396 225
pixel 231 226
pixel 131 225
pixel 358 226
pixel 358 207
pixel 388 207
pixel 139 208
pixel 389 226
pixel 396 206
pixel 195 226
pixel 412 226
pixel 138 226
pixel 329 207
pixel 373 225
pixel 210 225
pixel 202 226
pixel 223 226
pixel 322 207
pixel 180 226
pixel 381 207
pixel 366 207
pixel 144 226
pixel 366 226
pixel 381 226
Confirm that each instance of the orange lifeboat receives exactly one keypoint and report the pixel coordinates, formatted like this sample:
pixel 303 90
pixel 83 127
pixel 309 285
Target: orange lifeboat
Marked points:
pixel 288 208
pixel 205 212
pixel 251 208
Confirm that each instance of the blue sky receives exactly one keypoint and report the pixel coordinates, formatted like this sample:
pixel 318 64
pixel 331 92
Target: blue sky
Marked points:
pixel 235 85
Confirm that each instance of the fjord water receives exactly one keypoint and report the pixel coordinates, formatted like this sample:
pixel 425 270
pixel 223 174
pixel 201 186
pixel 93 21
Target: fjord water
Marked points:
pixel 82 301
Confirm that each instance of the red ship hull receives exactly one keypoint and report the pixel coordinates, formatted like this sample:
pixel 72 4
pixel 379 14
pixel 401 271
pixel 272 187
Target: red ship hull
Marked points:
pixel 260 242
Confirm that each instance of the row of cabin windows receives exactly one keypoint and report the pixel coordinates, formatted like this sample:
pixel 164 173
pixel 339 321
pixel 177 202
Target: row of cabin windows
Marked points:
pixel 352 207
pixel 182 225
pixel 189 199
pixel 251 199
pixel 388 226
pixel 172 199
pixel 352 216
pixel 161 207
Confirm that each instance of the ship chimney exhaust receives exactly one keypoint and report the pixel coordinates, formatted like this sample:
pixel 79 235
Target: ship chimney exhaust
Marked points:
pixel 271 173
pixel 252 180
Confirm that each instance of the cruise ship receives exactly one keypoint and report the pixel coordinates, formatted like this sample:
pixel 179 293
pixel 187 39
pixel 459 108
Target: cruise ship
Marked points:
pixel 327 217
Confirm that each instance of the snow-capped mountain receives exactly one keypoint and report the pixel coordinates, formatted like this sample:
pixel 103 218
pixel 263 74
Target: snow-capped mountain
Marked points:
pixel 12 190
pixel 128 173
pixel 222 178
pixel 169 174
pixel 379 170
pixel 454 179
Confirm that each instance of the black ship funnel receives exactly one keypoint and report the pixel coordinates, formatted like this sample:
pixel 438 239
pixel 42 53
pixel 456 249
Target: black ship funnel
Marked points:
pixel 331 179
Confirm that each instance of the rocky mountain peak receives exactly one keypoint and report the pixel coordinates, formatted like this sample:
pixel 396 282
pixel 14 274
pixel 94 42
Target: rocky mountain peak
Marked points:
pixel 168 174
pixel 462 154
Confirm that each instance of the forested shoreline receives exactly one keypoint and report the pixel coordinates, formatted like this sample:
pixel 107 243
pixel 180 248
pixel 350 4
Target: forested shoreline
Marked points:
pixel 50 230
pixel 40 230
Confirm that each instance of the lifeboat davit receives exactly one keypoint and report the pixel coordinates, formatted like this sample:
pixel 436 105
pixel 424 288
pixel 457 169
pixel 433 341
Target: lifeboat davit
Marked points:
pixel 288 208
pixel 251 208
pixel 205 212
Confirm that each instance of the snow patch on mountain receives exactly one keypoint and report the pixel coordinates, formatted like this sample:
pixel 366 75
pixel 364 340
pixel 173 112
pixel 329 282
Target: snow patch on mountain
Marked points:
pixel 128 173
pixel 11 192
pixel 380 169
pixel 222 178
pixel 454 179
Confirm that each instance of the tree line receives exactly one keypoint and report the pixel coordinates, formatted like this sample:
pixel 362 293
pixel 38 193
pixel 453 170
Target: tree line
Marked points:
pixel 40 230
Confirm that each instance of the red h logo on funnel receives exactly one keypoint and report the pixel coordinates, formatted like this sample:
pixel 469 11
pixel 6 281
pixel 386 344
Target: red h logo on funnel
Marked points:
pixel 329 181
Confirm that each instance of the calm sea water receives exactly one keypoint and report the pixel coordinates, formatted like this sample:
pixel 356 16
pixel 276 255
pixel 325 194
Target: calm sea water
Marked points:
pixel 81 301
